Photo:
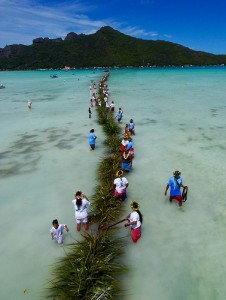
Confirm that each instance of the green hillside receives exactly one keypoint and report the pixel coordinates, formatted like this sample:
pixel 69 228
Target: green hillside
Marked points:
pixel 106 48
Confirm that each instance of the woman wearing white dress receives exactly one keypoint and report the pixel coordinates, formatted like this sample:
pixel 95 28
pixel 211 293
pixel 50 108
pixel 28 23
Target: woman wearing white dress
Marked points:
pixel 81 204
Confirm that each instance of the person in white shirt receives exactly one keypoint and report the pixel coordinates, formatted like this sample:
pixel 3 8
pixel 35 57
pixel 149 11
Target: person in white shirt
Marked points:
pixel 29 104
pixel 81 204
pixel 57 231
pixel 112 106
pixel 120 185
pixel 135 220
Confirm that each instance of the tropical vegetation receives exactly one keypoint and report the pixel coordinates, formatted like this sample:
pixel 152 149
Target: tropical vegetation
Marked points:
pixel 105 48
pixel 91 267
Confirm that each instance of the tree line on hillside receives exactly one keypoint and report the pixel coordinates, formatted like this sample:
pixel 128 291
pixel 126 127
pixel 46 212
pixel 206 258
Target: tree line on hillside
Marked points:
pixel 106 48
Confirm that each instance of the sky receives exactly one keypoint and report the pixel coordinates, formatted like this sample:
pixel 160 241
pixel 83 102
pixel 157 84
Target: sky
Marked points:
pixel 197 24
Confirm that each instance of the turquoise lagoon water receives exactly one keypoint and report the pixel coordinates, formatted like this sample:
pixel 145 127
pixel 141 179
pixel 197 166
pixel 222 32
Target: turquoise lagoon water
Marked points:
pixel 180 116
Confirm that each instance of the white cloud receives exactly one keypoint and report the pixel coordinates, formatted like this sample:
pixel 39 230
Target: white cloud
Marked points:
pixel 137 32
pixel 23 20
pixel 168 36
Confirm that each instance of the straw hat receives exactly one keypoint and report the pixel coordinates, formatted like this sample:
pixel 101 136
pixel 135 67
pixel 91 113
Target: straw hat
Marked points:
pixel 177 173
pixel 119 173
pixel 134 205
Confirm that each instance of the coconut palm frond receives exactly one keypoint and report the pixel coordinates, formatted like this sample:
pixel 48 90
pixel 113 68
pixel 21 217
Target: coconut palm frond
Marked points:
pixel 113 144
pixel 90 269
pixel 107 168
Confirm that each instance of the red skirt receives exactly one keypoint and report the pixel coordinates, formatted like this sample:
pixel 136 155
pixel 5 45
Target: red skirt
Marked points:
pixel 136 234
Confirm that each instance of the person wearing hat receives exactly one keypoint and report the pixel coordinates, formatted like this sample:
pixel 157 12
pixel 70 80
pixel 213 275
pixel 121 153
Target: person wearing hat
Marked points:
pixel 175 183
pixel 120 185
pixel 134 220
pixel 81 204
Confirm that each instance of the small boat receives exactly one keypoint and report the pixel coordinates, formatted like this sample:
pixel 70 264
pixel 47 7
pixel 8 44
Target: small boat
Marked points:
pixel 2 86
pixel 53 76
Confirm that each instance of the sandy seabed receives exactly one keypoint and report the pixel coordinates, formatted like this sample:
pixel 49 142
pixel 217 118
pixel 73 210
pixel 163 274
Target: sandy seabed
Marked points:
pixel 44 157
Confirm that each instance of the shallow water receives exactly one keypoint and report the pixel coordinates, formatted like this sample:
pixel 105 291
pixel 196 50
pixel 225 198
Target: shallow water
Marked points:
pixel 180 124
pixel 44 157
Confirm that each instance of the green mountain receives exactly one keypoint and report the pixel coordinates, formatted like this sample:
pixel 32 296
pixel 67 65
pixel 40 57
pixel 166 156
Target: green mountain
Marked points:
pixel 107 47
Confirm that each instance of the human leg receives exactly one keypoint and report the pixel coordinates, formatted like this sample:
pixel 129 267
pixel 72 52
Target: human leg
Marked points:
pixel 59 240
pixel 177 198
pixel 136 234
pixel 86 226
pixel 78 224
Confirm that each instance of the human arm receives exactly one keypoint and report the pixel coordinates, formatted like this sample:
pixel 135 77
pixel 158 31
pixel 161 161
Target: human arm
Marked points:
pixel 127 218
pixel 132 220
pixel 52 235
pixel 66 228
pixel 167 187
pixel 84 195
pixel 130 223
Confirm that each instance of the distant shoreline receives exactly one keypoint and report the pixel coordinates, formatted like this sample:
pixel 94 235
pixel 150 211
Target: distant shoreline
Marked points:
pixel 120 68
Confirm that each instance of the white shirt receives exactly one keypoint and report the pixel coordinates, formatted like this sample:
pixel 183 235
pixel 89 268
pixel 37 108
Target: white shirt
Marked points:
pixel 59 231
pixel 81 212
pixel 125 142
pixel 134 216
pixel 120 184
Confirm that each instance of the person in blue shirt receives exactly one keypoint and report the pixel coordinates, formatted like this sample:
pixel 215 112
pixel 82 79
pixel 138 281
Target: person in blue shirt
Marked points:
pixel 119 115
pixel 130 147
pixel 132 127
pixel 92 139
pixel 175 183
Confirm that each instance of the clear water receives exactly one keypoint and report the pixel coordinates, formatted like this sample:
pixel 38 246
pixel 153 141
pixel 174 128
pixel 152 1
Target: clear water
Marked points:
pixel 180 116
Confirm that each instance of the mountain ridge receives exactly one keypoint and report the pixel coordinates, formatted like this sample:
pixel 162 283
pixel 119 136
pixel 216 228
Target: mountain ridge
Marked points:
pixel 107 47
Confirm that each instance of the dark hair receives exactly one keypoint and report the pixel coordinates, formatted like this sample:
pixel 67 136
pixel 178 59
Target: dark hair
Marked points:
pixel 140 215
pixel 55 221
pixel 78 193
pixel 92 130
pixel 78 202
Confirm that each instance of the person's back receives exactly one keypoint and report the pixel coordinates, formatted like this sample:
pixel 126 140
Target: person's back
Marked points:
pixel 132 127
pixel 92 139
pixel 120 186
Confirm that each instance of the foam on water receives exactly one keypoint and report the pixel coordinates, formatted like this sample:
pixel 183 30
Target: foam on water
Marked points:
pixel 180 124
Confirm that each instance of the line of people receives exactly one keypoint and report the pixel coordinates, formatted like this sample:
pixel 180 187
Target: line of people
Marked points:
pixel 120 184
pixel 81 202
